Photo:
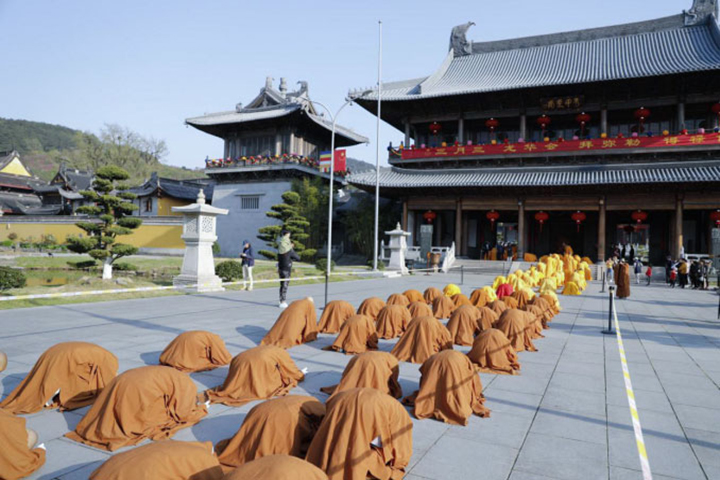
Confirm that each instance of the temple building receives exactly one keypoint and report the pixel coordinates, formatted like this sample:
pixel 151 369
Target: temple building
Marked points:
pixel 588 138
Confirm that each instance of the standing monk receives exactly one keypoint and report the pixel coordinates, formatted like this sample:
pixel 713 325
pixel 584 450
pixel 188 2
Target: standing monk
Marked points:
pixel 622 279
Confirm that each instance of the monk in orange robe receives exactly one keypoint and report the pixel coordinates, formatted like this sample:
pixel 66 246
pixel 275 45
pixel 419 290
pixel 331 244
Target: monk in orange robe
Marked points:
pixel 450 390
pixel 498 306
pixel 3 361
pixel 443 307
pixel 424 337
pixel 459 300
pixel 398 299
pixel 68 375
pixel 514 324
pixel 480 297
pixel 18 455
pixel 378 370
pixel 281 426
pixel 414 296
pixel 371 307
pixel 522 298
pixel 463 325
pixel 365 434
pixel 431 293
pixel 357 335
pixel 488 318
pixel 196 351
pixel 147 402
pixel 419 309
pixel 510 301
pixel 277 467
pixel 334 315
pixel 392 321
pixel 297 324
pixel 492 353
pixel 258 373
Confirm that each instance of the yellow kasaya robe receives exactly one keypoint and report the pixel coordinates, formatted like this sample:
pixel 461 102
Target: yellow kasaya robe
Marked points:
pixel 498 281
pixel 578 278
pixel 585 267
pixel 548 285
pixel 451 290
pixel 492 296
pixel 587 260
pixel 571 288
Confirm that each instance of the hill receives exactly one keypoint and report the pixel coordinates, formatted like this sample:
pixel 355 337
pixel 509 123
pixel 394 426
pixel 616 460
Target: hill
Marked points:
pixel 357 166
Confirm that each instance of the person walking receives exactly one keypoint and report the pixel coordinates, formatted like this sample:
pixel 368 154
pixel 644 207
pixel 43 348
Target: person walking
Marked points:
pixel 248 262
pixel 648 274
pixel 632 250
pixel 683 273
pixel 673 276
pixel 668 268
pixel 286 256
pixel 638 270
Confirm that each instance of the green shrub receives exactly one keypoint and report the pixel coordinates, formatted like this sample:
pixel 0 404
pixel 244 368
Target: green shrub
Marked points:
pixel 308 255
pixel 82 265
pixel 12 236
pixel 321 264
pixel 216 248
pixel 229 270
pixel 11 278
pixel 268 254
pixel 6 243
pixel 125 267
pixel 380 265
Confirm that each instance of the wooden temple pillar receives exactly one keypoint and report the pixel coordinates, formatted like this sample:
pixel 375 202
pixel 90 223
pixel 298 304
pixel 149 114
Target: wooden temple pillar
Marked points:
pixel 461 130
pixel 523 127
pixel 405 215
pixel 604 120
pixel 521 230
pixel 678 230
pixel 601 248
pixel 407 133
pixel 458 227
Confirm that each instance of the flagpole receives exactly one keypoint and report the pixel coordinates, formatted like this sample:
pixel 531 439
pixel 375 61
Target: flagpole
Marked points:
pixel 377 153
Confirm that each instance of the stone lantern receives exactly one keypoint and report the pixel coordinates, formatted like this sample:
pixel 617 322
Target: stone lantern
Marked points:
pixel 398 247
pixel 198 268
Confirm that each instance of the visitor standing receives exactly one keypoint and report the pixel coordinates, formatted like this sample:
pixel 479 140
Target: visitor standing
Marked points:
pixel 632 250
pixel 668 268
pixel 248 262
pixel 638 270
pixel 648 274
pixel 683 273
pixel 673 275
pixel 286 256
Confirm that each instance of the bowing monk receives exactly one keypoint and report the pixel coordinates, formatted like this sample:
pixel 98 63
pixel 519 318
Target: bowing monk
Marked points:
pixel 492 353
pixel 430 294
pixel 481 297
pixel 277 467
pixel 378 370
pixel 459 300
pixel 68 375
pixel 357 335
pixel 420 309
pixel 365 433
pixel 392 321
pixel 424 337
pixel 334 315
pixel 498 306
pixel 398 299
pixel 261 372
pixel 3 361
pixel 281 426
pixel 195 351
pixel 442 307
pixel 571 288
pixel 544 305
pixel 539 314
pixel 371 307
pixel 18 455
pixel 451 290
pixel 450 390
pixel 297 324
pixel 510 301
pixel 414 296
pixel 463 325
pixel 146 402
pixel 515 326
pixel 522 297
pixel 488 318
pixel 622 280
pixel 504 290
pixel 162 461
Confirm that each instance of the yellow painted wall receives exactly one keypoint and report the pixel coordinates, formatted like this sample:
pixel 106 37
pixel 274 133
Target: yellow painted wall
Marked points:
pixel 165 205
pixel 15 167
pixel 146 236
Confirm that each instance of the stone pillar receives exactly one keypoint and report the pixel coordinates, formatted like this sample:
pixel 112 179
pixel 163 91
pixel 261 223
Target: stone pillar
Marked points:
pixel 601 248
pixel 458 226
pixel 604 121
pixel 523 126
pixel 680 116
pixel 521 231
pixel 678 231
pixel 461 135
pixel 407 133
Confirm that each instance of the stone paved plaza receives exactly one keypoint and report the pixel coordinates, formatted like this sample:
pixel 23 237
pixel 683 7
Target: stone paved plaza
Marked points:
pixel 565 417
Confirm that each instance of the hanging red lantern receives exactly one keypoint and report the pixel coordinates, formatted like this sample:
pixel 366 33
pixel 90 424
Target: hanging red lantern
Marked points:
pixel 435 128
pixel 492 124
pixel 579 217
pixel 543 121
pixel 541 218
pixel 429 216
pixel 583 119
pixel 642 114
pixel 715 217
pixel 492 215
pixel 639 216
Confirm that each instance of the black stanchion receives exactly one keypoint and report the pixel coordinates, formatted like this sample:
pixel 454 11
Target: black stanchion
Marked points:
pixel 603 281
pixel 611 309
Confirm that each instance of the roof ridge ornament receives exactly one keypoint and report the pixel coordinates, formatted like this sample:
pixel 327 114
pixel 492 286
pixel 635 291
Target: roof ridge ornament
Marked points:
pixel 459 43
pixel 700 10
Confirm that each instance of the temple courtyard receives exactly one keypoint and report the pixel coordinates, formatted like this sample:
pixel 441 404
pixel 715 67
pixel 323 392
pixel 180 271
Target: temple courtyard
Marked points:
pixel 565 417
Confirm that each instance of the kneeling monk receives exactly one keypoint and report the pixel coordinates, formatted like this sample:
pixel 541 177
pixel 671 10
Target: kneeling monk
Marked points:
pixel 414 296
pixel 392 321
pixel 277 467
pixel 419 309
pixel 425 336
pixel 18 455
pixel 146 402
pixel 518 328
pixel 259 373
pixel 334 315
pixel 492 353
pixel 463 324
pixel 195 351
pixel 279 426
pixel 443 307
pixel 397 299
pixel 357 335
pixel 68 375
pixel 297 324
pixel 450 389
pixel 365 434
pixel 378 370
pixel 371 307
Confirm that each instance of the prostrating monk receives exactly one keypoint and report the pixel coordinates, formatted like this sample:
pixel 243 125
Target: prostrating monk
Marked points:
pixel 146 402
pixel 424 337
pixel 68 375
pixel 498 306
pixel 419 309
pixel 514 324
pixel 504 290
pixel 463 325
pixel 3 361
pixel 371 307
pixel 392 321
pixel 622 280
pixel 544 305
pixel 451 290
pixel 510 302
pixel 334 315
pixel 378 370
pixel 539 315
pixel 297 324
pixel 450 389
pixel 492 353
pixel 571 288
pixel 414 296
pixel 259 373
pixel 398 299
pixel 365 434
pixel 281 426
pixel 488 318
pixel 430 294
pixel 522 298
pixel 168 460
pixel 480 297
pixel 460 299
pixel 357 335
pixel 18 455
pixel 442 307
pixel 195 351
pixel 277 467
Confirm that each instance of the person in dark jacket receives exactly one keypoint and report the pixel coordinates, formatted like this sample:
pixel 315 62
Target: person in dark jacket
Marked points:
pixel 248 262
pixel 286 256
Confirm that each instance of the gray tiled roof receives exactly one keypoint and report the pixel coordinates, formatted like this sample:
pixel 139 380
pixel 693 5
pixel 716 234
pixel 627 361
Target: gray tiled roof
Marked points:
pixel 543 176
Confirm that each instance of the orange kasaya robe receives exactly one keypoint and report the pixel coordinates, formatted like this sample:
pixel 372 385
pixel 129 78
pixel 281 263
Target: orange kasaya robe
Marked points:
pixel 463 324
pixel 424 337
pixel 544 305
pixel 443 307
pixel 378 370
pixel 539 315
pixel 68 375
pixel 498 306
pixel 281 426
pixel 420 309
pixel 162 461
pixel 522 298
pixel 414 296
pixel 398 299
pixel 146 402
pixel 450 389
pixel 365 434
pixel 258 373
pixel 195 351
pixel 277 467
pixel 492 353
pixel 371 307
pixel 480 297
pixel 488 318
pixel 357 335
pixel 514 324
pixel 510 301
pixel 297 324
pixel 17 460
pixel 460 300
pixel 431 293
pixel 334 315
pixel 392 321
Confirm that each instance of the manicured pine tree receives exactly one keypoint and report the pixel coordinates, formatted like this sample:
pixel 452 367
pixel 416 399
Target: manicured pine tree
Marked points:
pixel 291 220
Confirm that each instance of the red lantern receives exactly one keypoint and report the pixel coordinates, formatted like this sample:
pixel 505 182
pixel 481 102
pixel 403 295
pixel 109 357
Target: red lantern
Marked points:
pixel 642 114
pixel 492 215
pixel 583 119
pixel 578 217
pixel 429 216
pixel 715 217
pixel 435 128
pixel 543 121
pixel 639 216
pixel 542 217
pixel 492 124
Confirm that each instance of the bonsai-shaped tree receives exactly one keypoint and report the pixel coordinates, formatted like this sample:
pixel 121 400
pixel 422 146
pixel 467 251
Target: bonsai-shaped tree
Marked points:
pixel 291 220
pixel 112 205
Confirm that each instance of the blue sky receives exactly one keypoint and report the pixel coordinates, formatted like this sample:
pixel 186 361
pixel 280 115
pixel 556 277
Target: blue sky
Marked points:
pixel 149 65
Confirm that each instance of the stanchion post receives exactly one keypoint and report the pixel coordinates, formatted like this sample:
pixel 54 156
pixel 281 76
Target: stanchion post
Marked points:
pixel 611 309
pixel 603 281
